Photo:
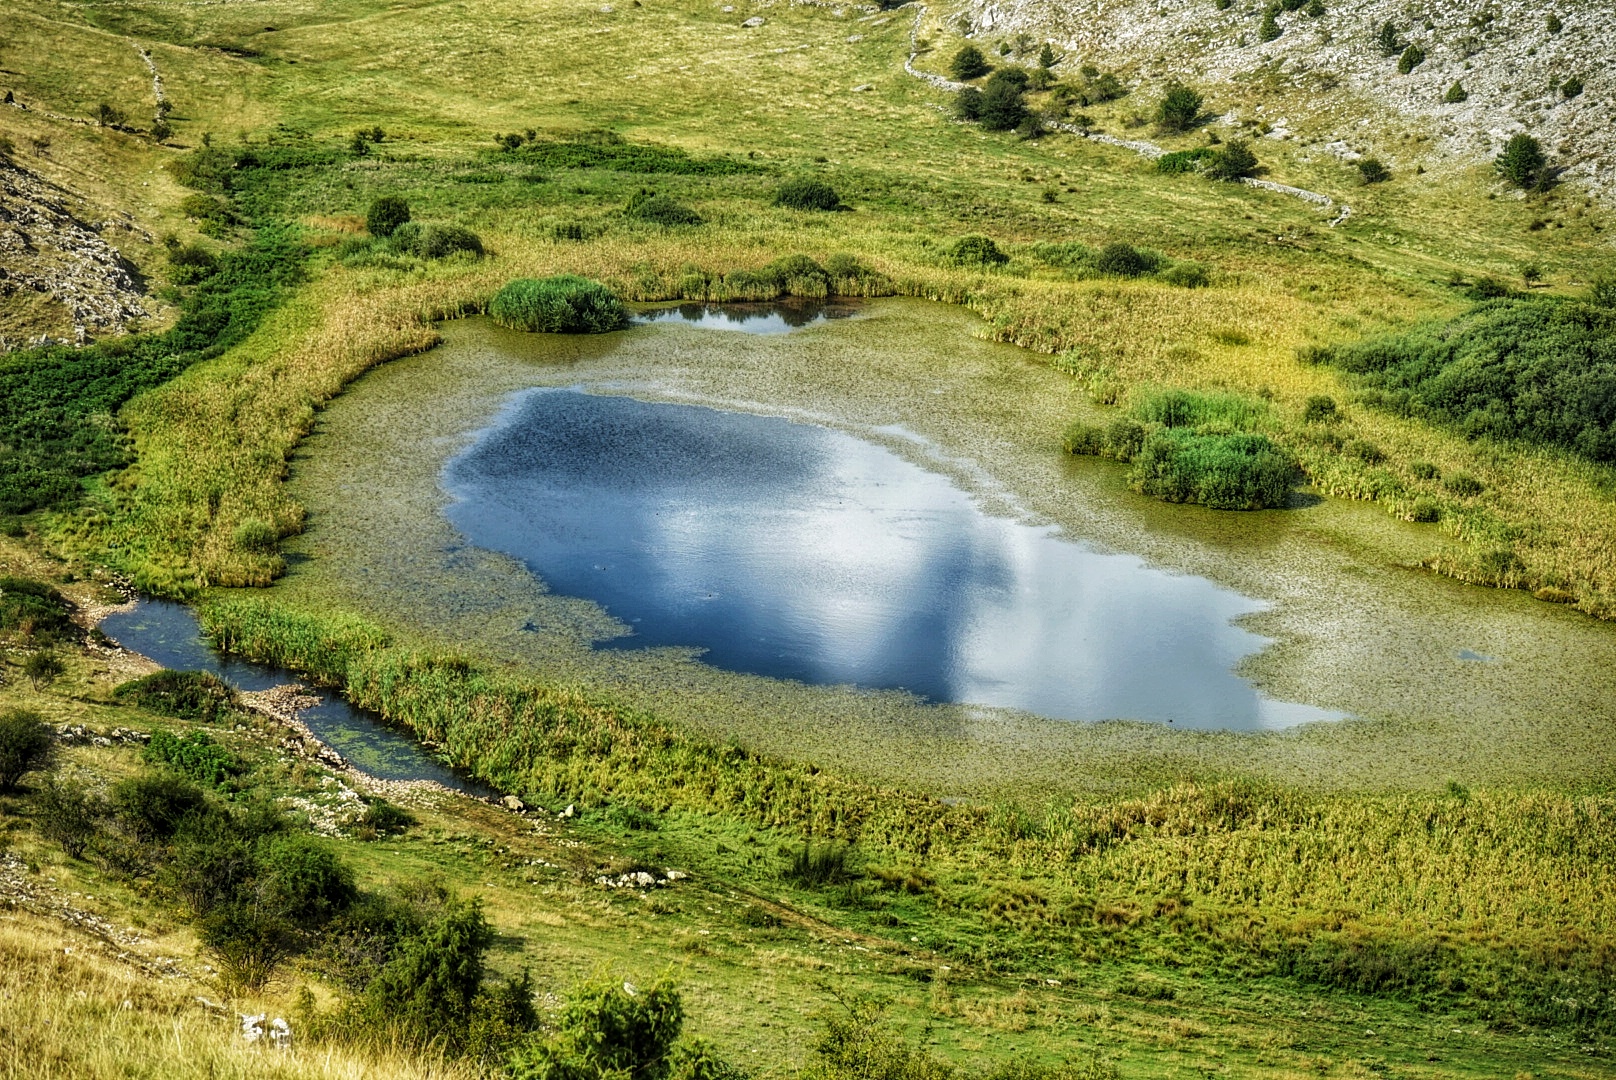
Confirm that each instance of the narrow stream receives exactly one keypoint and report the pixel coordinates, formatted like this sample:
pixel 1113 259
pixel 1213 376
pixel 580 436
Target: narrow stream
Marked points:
pixel 169 634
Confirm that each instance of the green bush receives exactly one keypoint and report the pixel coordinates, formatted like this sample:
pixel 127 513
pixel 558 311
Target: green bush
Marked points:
pixel 1003 108
pixel 302 878
pixel 609 1029
pixel 656 209
pixel 1464 485
pixel 1538 369
pixel 1523 163
pixel 1235 471
pixel 152 807
pixel 1424 470
pixel 806 193
pixel 382 818
pixel 1121 439
pixel 1456 94
pixel 1372 171
pixel 1186 275
pixel 187 695
pixel 27 743
pixel 1412 57
pixel 1269 29
pixel 1183 161
pixel 558 305
pixel 1215 410
pixel 1571 88
pixel 36 612
pixel 1425 511
pixel 435 241
pixel 1179 108
pixel 1601 293
pixel 968 63
pixel 386 214
pixel 254 534
pixel 1231 161
pixel 42 668
pixel 976 251
pixel 1389 40
pixel 428 991
pixel 1320 409
pixel 68 815
pixel 1365 451
pixel 195 756
pixel 1125 260
pixel 248 941
pixel 968 104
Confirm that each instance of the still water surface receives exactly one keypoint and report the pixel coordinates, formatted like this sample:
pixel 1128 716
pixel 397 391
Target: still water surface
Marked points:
pixel 801 552
pixel 168 633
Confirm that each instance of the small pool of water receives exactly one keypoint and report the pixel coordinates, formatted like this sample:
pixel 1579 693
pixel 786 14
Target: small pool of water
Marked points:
pixel 769 318
pixel 801 552
pixel 169 634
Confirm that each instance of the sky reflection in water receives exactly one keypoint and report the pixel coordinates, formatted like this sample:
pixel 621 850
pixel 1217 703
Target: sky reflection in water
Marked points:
pixel 801 552
pixel 773 318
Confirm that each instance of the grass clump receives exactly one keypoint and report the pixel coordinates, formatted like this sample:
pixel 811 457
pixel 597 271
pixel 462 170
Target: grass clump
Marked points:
pixel 385 215
pixel 976 251
pixel 185 695
pixel 565 304
pixel 1232 471
pixel 815 865
pixel 435 241
pixel 646 205
pixel 806 193
pixel 195 756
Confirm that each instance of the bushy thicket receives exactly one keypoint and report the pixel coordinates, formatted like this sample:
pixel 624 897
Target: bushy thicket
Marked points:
pixel 35 612
pixel 648 206
pixel 565 304
pixel 806 193
pixel 435 241
pixel 188 695
pixel 1541 370
pixel 194 756
pixel 57 404
pixel 26 743
pixel 1120 259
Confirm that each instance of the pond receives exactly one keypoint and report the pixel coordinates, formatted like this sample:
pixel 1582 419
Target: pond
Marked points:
pixel 797 551
pixel 169 634
pixel 914 467
pixel 750 318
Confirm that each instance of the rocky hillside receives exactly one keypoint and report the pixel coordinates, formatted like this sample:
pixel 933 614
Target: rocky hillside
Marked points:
pixel 1332 75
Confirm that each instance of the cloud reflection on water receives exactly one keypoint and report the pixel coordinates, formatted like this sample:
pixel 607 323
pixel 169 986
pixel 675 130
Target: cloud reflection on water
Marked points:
pixel 801 552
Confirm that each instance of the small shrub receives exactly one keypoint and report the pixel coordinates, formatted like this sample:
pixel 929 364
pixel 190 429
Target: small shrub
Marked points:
pixel 1120 440
pixel 1412 57
pixel 968 104
pixel 1488 288
pixel 248 941
pixel 42 668
pixel 109 115
pixel 1237 471
pixel 1046 56
pixel 1571 88
pixel 657 209
pixel 68 815
pixel 151 807
pixel 1124 260
pixel 613 1029
pixel 386 214
pixel 1320 409
pixel 1366 452
pixel 382 818
pixel 27 743
pixel 976 251
pixel 1372 171
pixel 1456 94
pixel 195 756
pixel 1231 161
pixel 1389 40
pixel 1425 511
pixel 1186 275
pixel 968 63
pixel 302 878
pixel 1003 108
pixel 1554 24
pixel 1424 470
pixel 1602 291
pixel 1464 485
pixel 1179 108
pixel 187 695
pixel 631 817
pixel 435 241
pixel 256 536
pixel 1183 161
pixel 1314 8
pixel 805 193
pixel 819 865
pixel 1269 29
pixel 1084 438
pixel 429 989
pixel 558 305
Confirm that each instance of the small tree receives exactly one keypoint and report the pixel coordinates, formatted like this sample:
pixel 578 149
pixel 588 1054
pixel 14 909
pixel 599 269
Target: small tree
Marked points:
pixel 968 104
pixel 1046 56
pixel 107 115
pixel 1269 28
pixel 26 743
pixel 1522 163
pixel 1412 57
pixel 1179 108
pixel 1372 171
pixel 68 815
pixel 1390 42
pixel 386 214
pixel 42 669
pixel 1456 93
pixel 1002 106
pixel 428 990
pixel 968 63
pixel 1531 274
pixel 1231 161
pixel 1571 87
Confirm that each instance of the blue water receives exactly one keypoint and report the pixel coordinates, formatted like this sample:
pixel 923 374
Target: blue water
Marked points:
pixel 771 318
pixel 801 552
pixel 169 634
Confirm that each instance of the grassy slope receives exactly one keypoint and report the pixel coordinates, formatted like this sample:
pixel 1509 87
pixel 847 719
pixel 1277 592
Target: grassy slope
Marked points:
pixel 440 77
